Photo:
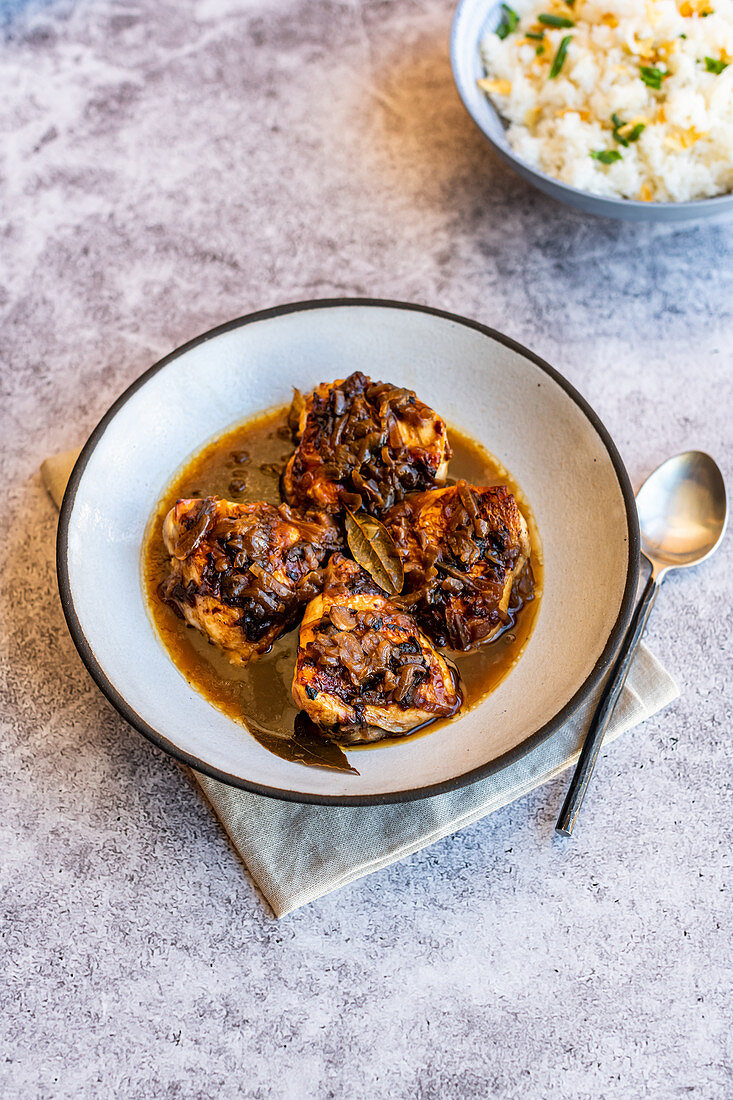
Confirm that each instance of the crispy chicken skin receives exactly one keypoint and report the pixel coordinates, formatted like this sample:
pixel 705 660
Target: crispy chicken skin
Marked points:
pixel 462 549
pixel 364 669
pixel 363 444
pixel 242 573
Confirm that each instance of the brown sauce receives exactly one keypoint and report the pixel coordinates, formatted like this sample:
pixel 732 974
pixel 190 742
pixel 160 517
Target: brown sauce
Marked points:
pixel 244 465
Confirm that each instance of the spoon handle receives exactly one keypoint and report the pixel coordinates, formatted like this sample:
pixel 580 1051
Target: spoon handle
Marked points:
pixel 604 710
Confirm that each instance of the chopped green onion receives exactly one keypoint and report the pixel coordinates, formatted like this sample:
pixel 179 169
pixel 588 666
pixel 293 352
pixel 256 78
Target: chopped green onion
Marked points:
pixel 683 36
pixel 539 50
pixel 606 156
pixel 534 34
pixel 509 20
pixel 714 66
pixel 555 21
pixel 652 77
pixel 633 135
pixel 559 58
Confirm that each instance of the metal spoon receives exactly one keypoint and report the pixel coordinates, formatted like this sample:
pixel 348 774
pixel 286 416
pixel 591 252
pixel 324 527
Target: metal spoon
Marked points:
pixel 683 513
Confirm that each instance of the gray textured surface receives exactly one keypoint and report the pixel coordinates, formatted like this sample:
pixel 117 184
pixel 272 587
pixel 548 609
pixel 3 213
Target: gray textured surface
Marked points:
pixel 172 165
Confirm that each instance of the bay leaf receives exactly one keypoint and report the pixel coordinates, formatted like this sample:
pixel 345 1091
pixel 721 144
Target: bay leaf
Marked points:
pixel 374 550
pixel 306 745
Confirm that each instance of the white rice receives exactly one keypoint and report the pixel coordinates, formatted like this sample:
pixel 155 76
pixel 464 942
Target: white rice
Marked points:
pixel 685 150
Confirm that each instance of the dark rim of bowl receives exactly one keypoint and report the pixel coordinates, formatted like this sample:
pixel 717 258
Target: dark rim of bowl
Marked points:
pixel 551 183
pixel 493 766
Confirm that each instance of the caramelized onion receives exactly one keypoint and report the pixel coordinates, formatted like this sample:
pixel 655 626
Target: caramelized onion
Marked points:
pixel 351 500
pixel 404 682
pixel 460 638
pixel 469 503
pixel 266 599
pixel 296 408
pixel 272 582
pixel 342 618
pixel 190 539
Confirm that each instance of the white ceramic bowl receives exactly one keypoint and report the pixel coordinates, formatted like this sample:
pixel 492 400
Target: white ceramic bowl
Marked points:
pixel 473 20
pixel 518 406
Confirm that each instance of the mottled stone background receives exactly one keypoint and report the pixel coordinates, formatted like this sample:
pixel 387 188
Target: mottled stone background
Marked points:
pixel 167 165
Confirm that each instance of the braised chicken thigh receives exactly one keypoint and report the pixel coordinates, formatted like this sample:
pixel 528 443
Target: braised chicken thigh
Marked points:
pixel 364 668
pixel 242 573
pixel 363 444
pixel 462 550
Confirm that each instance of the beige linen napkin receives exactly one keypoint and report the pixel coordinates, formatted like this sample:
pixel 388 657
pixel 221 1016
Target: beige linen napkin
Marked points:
pixel 296 852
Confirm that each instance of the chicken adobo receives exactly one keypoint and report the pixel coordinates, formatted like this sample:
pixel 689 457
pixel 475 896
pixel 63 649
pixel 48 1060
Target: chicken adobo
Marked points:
pixel 363 665
pixel 241 573
pixel 363 445
pixel 462 549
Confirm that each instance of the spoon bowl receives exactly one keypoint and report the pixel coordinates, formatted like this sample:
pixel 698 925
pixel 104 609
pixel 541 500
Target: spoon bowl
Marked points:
pixel 682 511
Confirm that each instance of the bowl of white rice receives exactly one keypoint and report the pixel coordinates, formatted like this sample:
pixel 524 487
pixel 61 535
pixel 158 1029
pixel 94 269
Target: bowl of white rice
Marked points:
pixel 619 107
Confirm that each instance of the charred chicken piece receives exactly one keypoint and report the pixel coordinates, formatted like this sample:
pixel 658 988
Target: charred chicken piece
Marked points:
pixel 364 669
pixel 463 548
pixel 363 444
pixel 242 573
